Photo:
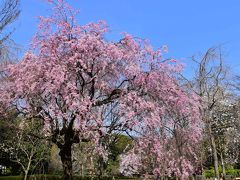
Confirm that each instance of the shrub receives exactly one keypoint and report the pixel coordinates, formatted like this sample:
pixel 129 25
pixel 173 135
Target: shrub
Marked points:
pixel 231 172
pixel 208 173
pixel 33 177
pixel 58 177
pixel 11 178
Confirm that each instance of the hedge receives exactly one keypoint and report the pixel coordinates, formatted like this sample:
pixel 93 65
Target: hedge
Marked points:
pixel 57 177
pixel 230 172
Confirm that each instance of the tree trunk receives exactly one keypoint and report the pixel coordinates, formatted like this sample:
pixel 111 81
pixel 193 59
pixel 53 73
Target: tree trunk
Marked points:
pixel 101 167
pixel 82 170
pixel 214 150
pixel 25 175
pixel 28 167
pixel 66 158
pixel 223 165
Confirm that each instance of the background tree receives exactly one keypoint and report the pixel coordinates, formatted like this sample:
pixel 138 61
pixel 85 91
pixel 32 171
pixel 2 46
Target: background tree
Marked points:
pixel 87 161
pixel 9 11
pixel 8 14
pixel 7 132
pixel 54 166
pixel 211 84
pixel 25 149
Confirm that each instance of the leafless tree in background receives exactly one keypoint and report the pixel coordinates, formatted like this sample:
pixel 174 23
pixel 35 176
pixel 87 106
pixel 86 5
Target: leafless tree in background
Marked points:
pixel 9 12
pixel 210 83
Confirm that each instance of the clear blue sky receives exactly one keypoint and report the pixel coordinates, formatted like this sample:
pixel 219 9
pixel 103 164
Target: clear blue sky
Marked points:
pixel 186 26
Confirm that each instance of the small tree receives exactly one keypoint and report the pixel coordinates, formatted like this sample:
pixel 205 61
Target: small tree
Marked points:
pixel 25 149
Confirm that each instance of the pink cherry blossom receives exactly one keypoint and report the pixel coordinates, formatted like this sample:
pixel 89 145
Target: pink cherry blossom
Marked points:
pixel 72 77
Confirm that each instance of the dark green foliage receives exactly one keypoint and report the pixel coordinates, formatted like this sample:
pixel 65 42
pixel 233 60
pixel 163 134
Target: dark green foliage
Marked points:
pixel 233 172
pixel 7 131
pixel 116 149
pixel 119 146
pixel 209 173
